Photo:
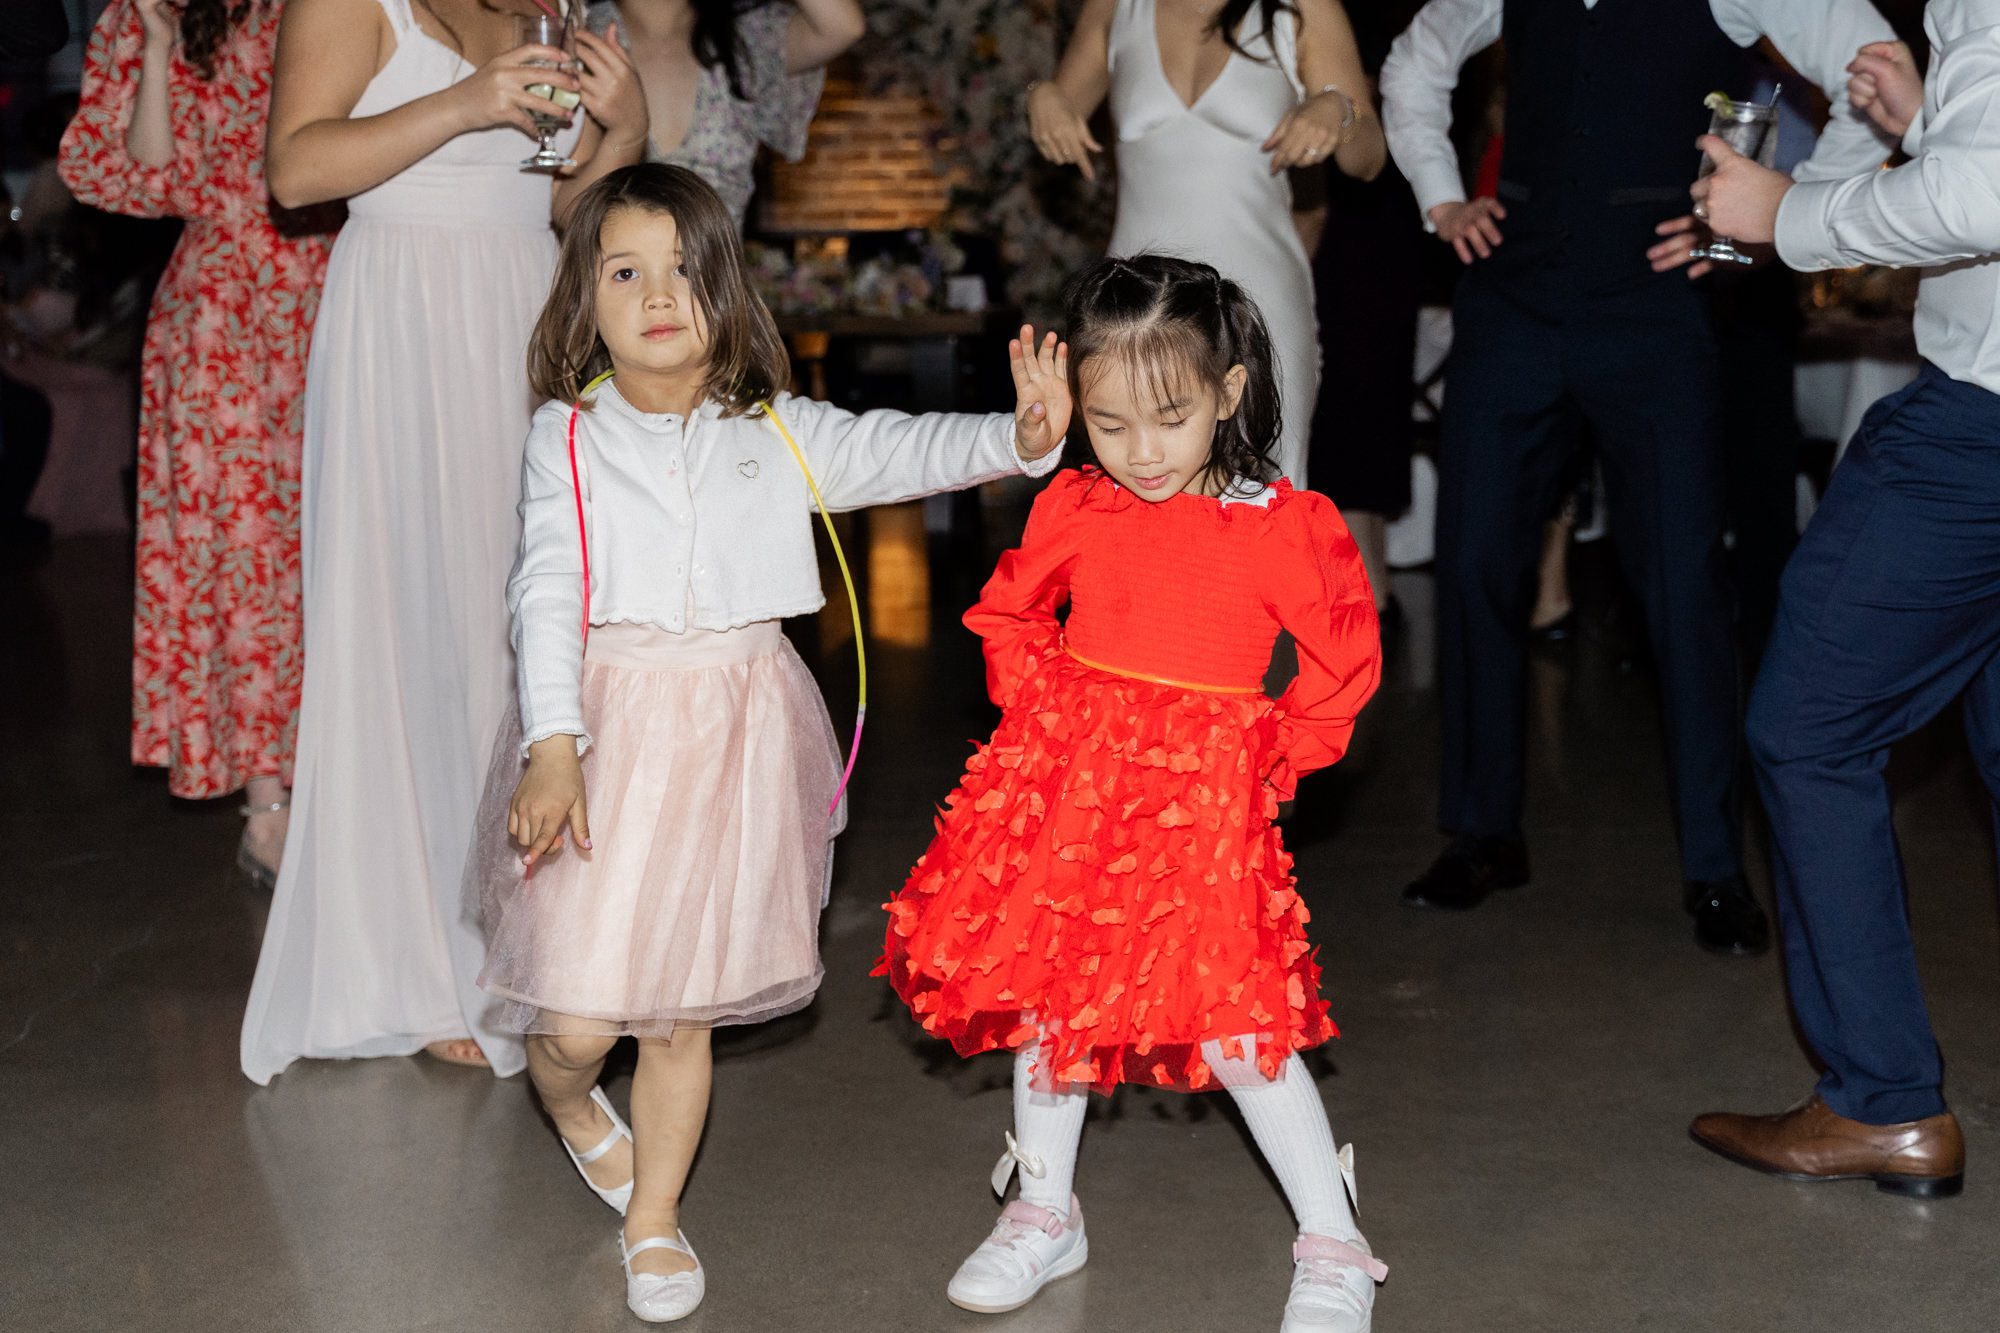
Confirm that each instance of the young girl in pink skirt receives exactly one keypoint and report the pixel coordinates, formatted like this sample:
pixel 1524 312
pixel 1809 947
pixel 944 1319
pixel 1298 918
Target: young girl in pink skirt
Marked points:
pixel 687 893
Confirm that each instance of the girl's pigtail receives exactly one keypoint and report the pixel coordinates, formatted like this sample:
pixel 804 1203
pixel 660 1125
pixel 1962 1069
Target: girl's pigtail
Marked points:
pixel 1244 443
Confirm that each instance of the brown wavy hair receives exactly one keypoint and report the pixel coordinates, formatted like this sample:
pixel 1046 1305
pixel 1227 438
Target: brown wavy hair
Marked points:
pixel 206 24
pixel 747 362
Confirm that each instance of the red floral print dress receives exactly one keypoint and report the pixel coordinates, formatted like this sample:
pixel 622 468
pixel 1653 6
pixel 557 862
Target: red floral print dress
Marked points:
pixel 216 643
pixel 1108 873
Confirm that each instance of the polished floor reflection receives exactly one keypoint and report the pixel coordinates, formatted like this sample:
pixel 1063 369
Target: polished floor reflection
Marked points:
pixel 1517 1081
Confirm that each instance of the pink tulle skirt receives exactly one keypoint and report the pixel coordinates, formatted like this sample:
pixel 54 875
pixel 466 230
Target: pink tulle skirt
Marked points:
pixel 707 783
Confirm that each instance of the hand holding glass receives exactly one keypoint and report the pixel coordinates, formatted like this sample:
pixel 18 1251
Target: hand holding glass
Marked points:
pixel 1751 128
pixel 547 30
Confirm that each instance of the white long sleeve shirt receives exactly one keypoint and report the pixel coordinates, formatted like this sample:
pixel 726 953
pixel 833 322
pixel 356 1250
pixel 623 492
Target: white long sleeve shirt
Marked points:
pixel 705 521
pixel 1817 37
pixel 1939 211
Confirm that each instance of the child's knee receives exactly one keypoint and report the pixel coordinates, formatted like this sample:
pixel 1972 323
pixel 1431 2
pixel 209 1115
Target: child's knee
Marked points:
pixel 574 1050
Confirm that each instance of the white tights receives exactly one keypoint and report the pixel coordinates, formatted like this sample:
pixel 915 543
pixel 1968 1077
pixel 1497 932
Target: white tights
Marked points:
pixel 1285 1116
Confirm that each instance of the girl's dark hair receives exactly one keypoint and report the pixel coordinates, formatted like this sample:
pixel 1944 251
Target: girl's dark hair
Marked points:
pixel 206 25
pixel 1166 318
pixel 1229 19
pixel 747 362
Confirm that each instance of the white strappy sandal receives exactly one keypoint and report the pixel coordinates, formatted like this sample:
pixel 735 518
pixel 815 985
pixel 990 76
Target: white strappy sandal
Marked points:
pixel 621 1196
pixel 657 1298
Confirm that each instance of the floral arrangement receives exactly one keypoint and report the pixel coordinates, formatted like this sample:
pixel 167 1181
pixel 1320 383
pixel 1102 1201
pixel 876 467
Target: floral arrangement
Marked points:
pixel 973 60
pixel 826 283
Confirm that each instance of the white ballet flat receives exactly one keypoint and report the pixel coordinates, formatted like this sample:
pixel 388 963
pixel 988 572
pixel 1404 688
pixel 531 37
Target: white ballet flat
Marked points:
pixel 662 1299
pixel 621 1196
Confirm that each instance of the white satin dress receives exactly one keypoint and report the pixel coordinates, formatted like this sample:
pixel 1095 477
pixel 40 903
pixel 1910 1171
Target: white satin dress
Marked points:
pixel 417 407
pixel 1194 181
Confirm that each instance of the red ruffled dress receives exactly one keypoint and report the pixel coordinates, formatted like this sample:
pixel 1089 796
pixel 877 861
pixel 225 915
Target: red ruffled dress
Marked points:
pixel 1108 871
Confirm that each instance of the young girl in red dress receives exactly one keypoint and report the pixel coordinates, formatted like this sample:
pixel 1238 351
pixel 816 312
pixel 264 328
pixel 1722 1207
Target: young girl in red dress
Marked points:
pixel 1107 894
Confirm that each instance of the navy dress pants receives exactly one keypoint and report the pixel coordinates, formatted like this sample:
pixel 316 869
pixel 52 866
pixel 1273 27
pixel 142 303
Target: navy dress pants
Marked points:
pixel 1533 362
pixel 1889 613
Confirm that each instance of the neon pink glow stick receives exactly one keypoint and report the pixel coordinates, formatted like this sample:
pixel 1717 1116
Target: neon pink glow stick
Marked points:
pixel 853 753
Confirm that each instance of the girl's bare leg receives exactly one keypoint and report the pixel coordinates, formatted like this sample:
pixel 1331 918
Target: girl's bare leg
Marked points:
pixel 564 1069
pixel 669 1108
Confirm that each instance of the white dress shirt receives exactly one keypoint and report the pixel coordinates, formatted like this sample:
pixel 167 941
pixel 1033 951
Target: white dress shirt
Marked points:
pixel 1940 210
pixel 705 521
pixel 1816 37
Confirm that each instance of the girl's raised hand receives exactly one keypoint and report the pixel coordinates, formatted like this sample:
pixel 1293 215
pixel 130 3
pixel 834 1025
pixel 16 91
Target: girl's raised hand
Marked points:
pixel 1041 392
pixel 549 795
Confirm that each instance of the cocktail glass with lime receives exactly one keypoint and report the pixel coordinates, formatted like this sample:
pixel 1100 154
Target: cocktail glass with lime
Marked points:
pixel 1751 128
pixel 548 30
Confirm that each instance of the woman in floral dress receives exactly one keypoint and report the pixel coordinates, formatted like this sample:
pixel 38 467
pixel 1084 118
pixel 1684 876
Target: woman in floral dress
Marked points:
pixel 172 124
pixel 723 79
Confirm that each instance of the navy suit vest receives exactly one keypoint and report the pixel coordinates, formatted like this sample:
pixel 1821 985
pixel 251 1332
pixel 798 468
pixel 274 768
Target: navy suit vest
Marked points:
pixel 1603 107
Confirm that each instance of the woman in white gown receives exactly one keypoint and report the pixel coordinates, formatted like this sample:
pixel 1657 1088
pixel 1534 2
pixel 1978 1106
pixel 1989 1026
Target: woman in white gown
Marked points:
pixel 1213 102
pixel 417 404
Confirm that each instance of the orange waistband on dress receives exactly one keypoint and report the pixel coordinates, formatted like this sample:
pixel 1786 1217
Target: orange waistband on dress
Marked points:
pixel 1160 680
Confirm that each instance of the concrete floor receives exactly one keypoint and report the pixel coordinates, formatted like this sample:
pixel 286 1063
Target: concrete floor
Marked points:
pixel 1517 1081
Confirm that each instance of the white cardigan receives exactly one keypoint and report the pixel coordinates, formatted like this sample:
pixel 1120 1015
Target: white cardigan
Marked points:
pixel 705 521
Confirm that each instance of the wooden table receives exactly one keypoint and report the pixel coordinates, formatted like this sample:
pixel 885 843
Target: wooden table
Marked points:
pixel 934 340
pixel 932 352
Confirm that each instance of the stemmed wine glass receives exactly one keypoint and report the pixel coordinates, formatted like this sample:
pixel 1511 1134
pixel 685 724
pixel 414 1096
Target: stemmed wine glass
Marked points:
pixel 1751 128
pixel 548 30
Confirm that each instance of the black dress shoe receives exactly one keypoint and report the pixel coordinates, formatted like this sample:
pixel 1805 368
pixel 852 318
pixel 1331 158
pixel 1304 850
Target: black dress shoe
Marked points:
pixel 1727 917
pixel 1469 869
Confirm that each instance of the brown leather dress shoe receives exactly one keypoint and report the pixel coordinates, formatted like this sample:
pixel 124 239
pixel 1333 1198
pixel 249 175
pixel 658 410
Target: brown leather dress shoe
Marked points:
pixel 1925 1158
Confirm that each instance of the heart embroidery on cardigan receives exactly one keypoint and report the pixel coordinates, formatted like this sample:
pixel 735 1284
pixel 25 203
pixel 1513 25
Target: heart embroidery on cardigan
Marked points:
pixel 748 467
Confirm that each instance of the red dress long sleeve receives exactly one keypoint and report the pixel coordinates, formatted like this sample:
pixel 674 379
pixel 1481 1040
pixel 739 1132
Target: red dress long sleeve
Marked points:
pixel 1107 879
pixel 217 657
pixel 1318 590
pixel 1016 611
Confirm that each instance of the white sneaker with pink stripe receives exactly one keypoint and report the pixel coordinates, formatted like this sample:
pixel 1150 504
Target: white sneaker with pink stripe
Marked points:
pixel 1030 1247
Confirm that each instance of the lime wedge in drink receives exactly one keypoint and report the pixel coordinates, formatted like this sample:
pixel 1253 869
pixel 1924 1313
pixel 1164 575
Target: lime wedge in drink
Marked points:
pixel 1718 103
pixel 562 97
